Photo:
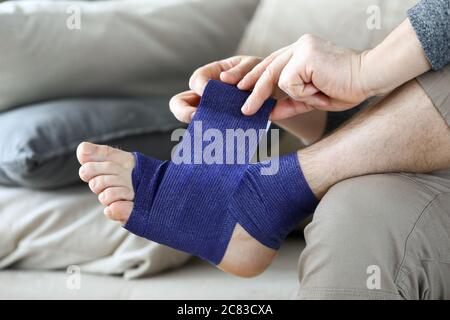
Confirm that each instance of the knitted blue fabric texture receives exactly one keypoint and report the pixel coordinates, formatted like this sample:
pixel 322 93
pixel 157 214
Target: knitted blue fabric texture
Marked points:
pixel 268 206
pixel 194 205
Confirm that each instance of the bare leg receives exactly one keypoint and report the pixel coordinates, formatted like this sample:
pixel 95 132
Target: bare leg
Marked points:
pixel 404 132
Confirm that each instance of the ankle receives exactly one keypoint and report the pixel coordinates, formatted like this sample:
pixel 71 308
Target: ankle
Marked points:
pixel 317 170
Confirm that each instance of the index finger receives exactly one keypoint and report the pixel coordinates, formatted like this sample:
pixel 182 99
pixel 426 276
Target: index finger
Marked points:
pixel 250 79
pixel 266 84
pixel 212 70
pixel 202 75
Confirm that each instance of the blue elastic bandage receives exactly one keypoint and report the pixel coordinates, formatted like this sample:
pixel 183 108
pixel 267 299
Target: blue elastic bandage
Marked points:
pixel 194 205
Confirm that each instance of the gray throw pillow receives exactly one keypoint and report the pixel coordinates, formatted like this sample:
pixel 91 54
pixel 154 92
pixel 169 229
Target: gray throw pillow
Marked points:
pixel 38 142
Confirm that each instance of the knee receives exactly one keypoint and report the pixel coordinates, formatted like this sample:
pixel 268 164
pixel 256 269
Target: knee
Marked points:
pixel 353 229
pixel 345 228
pixel 349 212
pixel 367 209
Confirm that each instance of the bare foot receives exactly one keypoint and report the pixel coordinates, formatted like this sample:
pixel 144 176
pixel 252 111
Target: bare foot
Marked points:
pixel 108 172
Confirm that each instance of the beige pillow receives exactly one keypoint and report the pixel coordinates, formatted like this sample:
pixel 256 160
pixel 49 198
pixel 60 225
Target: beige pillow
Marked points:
pixel 45 230
pixel 135 47
pixel 278 23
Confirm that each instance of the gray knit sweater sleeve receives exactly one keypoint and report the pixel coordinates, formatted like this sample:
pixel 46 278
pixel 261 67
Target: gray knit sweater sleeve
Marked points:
pixel 431 21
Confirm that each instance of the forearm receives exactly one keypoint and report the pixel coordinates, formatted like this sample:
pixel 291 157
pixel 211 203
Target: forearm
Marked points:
pixel 396 60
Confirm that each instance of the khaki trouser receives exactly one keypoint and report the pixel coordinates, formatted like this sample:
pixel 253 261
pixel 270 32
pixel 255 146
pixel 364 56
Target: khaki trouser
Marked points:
pixel 383 236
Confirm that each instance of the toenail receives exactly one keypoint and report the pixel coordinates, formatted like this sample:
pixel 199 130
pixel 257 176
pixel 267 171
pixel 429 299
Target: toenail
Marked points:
pixel 87 148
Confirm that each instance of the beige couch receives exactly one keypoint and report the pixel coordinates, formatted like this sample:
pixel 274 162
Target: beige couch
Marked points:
pixel 67 228
pixel 195 280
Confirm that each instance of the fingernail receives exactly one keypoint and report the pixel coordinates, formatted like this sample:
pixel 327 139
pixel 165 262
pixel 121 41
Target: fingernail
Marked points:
pixel 244 108
pixel 107 211
pixel 192 115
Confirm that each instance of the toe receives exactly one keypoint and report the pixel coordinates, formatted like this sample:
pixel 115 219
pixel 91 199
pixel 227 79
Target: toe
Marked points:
pixel 114 194
pixel 91 170
pixel 85 152
pixel 119 211
pixel 90 152
pixel 100 183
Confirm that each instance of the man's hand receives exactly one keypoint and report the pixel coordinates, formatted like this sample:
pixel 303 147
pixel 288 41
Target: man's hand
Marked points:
pixel 313 73
pixel 230 71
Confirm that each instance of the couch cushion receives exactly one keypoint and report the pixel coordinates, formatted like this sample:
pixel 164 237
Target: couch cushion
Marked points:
pixel 196 280
pixel 136 47
pixel 278 23
pixel 48 230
